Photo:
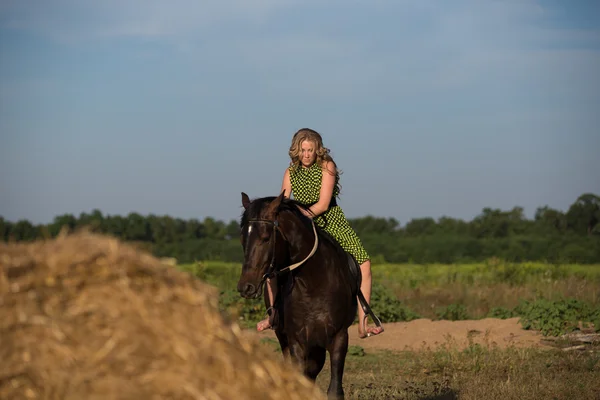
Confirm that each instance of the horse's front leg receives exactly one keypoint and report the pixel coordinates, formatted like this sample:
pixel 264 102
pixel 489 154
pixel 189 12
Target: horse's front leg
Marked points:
pixel 297 354
pixel 283 343
pixel 309 360
pixel 337 353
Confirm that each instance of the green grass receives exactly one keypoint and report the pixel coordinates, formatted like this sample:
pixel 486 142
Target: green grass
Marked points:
pixel 222 275
pixel 481 288
pixel 550 298
pixel 492 272
pixel 225 275
pixel 477 372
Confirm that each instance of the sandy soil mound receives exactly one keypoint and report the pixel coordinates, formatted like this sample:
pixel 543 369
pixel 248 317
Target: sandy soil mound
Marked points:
pixel 424 334
pixel 88 317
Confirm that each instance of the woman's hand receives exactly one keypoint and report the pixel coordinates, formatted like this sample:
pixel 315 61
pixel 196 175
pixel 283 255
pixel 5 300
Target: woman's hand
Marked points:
pixel 306 212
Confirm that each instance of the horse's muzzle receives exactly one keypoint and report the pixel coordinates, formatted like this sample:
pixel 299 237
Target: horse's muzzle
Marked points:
pixel 248 291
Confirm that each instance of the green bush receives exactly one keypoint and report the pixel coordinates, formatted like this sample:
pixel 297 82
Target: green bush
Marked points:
pixel 501 312
pixel 453 312
pixel 388 307
pixel 356 351
pixel 554 318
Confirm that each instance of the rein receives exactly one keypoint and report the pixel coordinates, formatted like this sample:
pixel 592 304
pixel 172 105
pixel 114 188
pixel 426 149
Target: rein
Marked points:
pixel 271 271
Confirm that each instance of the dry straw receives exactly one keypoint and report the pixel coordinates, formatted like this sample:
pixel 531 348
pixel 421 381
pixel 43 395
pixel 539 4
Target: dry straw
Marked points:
pixel 84 316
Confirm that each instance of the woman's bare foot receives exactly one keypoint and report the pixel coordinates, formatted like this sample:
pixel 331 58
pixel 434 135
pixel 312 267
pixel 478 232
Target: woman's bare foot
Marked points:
pixel 371 332
pixel 264 324
pixel 368 332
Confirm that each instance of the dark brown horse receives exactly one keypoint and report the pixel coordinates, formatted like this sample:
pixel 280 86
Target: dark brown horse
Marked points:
pixel 317 291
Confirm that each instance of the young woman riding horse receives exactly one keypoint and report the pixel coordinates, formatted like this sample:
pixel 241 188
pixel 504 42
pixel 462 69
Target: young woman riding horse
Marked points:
pixel 313 178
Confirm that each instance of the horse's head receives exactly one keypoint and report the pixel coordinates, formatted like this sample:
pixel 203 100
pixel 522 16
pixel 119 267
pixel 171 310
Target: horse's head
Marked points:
pixel 262 242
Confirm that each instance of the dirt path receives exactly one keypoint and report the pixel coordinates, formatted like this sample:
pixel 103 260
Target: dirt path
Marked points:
pixel 424 333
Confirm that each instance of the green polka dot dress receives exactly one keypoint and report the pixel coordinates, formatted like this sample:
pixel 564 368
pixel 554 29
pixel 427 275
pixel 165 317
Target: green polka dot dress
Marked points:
pixel 306 188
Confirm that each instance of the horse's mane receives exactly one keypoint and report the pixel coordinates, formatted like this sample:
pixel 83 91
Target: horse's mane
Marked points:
pixel 288 205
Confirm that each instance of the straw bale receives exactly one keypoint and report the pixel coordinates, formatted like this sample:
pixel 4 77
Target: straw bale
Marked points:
pixel 85 316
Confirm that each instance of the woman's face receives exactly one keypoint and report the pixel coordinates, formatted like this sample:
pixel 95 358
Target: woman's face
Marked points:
pixel 308 153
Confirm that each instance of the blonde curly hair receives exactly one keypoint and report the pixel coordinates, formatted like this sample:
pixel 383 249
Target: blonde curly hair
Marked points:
pixel 321 151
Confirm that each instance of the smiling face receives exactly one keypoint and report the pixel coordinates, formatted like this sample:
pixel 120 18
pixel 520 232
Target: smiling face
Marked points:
pixel 308 153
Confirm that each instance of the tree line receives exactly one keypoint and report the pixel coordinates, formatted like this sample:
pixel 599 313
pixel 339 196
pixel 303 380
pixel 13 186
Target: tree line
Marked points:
pixel 551 236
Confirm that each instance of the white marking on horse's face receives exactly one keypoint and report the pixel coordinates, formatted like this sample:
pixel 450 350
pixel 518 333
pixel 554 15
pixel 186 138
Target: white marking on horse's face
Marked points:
pixel 249 229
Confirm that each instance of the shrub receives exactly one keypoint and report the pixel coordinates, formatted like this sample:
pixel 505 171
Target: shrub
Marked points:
pixel 554 318
pixel 388 307
pixel 501 312
pixel 453 312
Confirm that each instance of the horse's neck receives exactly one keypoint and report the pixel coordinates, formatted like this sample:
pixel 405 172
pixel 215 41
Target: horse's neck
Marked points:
pixel 327 264
pixel 304 243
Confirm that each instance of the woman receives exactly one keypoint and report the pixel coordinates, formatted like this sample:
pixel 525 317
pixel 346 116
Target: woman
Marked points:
pixel 314 179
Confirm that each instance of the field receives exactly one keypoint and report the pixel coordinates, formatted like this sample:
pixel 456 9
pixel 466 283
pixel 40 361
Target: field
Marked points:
pixel 491 330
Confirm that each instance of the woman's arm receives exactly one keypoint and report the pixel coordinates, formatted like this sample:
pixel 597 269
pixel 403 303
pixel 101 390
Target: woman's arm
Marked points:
pixel 286 185
pixel 327 184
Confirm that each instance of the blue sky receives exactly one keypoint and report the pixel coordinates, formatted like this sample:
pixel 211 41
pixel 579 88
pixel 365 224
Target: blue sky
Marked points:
pixel 430 108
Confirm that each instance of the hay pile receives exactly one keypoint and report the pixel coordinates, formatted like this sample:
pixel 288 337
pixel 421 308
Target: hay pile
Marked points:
pixel 88 317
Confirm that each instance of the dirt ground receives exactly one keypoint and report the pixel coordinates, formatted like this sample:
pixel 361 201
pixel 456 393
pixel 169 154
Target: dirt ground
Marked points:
pixel 424 333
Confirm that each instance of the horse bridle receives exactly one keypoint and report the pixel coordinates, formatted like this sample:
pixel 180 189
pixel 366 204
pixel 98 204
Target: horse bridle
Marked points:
pixel 271 272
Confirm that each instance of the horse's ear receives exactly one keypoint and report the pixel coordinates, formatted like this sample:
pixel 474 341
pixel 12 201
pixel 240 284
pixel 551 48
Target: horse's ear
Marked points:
pixel 245 200
pixel 276 203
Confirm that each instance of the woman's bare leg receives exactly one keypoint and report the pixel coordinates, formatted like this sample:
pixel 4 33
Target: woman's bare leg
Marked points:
pixel 365 288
